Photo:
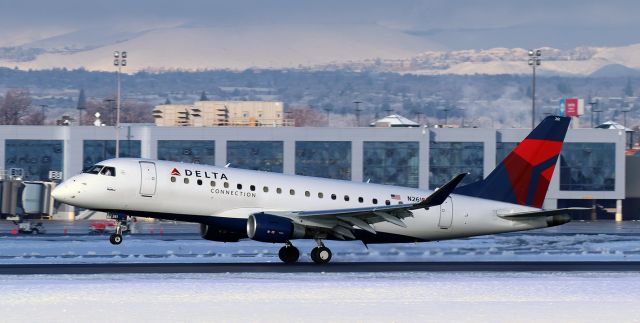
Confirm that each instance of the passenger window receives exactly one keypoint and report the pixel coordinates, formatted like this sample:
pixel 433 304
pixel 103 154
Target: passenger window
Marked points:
pixel 199 182
pixel 252 188
pixel 108 171
pixel 292 192
pixel 278 190
pixel 333 196
pixel 320 195
pixel 213 183
pixel 226 184
pixel 307 193
pixel 346 198
pixel 186 180
pixel 360 199
pixel 265 189
pixel 173 179
pixel 387 202
pixel 239 186
pixel 375 201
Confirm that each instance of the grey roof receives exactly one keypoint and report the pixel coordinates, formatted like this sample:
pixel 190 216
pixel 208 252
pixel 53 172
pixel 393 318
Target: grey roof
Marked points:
pixel 613 125
pixel 394 120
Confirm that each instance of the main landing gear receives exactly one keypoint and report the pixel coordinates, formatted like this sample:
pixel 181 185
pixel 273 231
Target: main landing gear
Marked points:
pixel 121 223
pixel 290 254
pixel 320 254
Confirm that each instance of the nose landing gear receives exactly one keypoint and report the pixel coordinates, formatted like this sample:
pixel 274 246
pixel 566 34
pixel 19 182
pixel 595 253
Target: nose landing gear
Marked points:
pixel 121 223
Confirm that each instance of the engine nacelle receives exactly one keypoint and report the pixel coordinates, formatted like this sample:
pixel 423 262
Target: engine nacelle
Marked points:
pixel 215 233
pixel 272 228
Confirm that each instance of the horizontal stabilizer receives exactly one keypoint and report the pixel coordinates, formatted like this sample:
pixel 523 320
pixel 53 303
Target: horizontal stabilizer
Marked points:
pixel 534 214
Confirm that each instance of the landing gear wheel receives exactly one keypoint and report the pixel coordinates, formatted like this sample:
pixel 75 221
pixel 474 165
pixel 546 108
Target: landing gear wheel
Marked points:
pixel 289 254
pixel 115 239
pixel 321 255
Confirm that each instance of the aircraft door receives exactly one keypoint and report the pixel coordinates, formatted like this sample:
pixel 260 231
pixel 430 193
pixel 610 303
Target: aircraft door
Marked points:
pixel 446 214
pixel 148 178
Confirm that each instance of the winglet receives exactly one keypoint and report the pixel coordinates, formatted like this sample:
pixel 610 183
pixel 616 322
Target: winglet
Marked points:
pixel 440 195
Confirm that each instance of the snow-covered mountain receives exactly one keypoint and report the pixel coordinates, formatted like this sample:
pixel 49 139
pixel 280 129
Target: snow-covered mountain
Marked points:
pixel 581 61
pixel 315 46
pixel 205 47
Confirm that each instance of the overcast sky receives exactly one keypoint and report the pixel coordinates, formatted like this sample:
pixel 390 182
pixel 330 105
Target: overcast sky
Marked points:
pixel 455 24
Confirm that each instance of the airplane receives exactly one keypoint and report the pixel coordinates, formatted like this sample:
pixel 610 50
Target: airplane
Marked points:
pixel 233 204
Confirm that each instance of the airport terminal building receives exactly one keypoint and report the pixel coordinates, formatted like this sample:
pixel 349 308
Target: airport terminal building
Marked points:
pixel 591 167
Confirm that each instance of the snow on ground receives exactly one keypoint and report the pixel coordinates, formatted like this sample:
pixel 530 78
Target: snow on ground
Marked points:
pixel 362 297
pixel 137 249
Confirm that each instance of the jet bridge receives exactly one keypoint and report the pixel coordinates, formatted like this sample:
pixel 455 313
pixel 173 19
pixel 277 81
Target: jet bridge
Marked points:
pixel 25 199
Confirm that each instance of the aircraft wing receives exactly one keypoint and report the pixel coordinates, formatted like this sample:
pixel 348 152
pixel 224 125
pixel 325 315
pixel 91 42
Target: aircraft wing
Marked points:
pixel 340 222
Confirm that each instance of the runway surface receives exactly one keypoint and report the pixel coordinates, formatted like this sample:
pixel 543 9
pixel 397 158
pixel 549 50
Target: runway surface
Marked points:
pixel 338 267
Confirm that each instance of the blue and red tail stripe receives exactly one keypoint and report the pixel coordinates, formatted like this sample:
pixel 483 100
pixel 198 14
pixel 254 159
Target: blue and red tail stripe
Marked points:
pixel 524 175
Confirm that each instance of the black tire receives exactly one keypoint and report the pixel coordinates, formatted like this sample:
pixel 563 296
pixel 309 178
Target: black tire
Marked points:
pixel 321 255
pixel 115 239
pixel 289 254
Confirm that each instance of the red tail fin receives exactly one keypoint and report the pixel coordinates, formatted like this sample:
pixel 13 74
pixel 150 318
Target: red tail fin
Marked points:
pixel 524 175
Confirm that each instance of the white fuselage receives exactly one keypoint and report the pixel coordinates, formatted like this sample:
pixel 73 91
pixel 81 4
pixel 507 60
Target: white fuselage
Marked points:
pixel 149 188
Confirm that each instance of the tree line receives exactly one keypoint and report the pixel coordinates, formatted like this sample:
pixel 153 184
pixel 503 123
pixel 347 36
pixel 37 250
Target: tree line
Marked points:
pixel 17 108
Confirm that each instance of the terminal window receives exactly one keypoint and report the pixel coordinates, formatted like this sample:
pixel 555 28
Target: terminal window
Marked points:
pixel 392 163
pixel 587 167
pixel 448 159
pixel 95 151
pixel 188 151
pixel 327 159
pixel 35 157
pixel 256 155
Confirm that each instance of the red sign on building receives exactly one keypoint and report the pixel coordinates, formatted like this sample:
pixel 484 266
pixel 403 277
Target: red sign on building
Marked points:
pixel 571 107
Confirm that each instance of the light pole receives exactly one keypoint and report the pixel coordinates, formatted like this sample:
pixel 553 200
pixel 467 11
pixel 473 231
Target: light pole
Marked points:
pixel 358 110
pixel 624 113
pixel 534 60
pixel 119 60
pixel 446 114
pixel 597 116
pixel 328 110
pixel 43 107
pixel 419 116
pixel 593 104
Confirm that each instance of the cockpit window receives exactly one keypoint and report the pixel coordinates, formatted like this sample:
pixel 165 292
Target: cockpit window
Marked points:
pixel 93 169
pixel 108 171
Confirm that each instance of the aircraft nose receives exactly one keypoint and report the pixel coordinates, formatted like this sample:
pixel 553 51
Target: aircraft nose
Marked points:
pixel 61 192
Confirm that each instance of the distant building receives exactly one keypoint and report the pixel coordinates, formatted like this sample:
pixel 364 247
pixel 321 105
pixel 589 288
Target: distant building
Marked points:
pixel 394 120
pixel 222 113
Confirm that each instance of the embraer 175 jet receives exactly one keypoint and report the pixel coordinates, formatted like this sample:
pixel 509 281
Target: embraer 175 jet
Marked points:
pixel 232 204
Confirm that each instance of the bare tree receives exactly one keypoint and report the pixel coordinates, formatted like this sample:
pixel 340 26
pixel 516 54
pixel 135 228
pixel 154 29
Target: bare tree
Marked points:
pixel 16 105
pixel 34 118
pixel 130 112
pixel 136 112
pixel 307 117
pixel 105 108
